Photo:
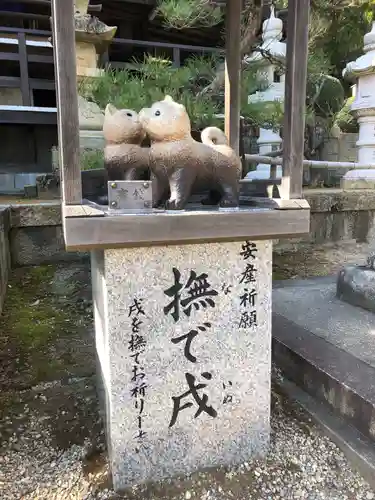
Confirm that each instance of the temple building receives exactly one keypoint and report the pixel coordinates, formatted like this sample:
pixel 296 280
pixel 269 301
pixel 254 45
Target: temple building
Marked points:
pixel 27 89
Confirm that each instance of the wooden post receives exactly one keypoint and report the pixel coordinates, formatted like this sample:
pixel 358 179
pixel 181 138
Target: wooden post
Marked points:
pixel 176 57
pixel 295 98
pixel 63 39
pixel 233 72
pixel 24 70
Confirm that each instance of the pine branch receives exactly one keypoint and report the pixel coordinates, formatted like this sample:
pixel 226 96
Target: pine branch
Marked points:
pixel 250 29
pixel 185 14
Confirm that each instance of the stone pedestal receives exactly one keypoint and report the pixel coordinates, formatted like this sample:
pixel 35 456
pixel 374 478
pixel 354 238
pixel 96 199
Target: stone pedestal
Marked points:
pixel 87 60
pixel 91 139
pixel 362 72
pixel 366 138
pixel 268 141
pixel 183 337
pixel 91 119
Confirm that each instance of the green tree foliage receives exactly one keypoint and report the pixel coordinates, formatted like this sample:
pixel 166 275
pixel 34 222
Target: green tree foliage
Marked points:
pixel 336 35
pixel 337 28
pixel 183 14
pixel 147 81
pixel 345 120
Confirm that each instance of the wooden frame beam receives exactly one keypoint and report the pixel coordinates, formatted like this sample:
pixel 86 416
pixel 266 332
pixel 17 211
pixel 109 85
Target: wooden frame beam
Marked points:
pixel 9 56
pixel 86 229
pixel 233 72
pixel 91 231
pixel 24 15
pixel 295 98
pixel 67 100
pixel 34 83
pixel 31 117
pixel 47 3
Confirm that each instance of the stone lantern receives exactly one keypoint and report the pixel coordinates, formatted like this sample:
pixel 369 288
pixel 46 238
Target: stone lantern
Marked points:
pixel 362 72
pixel 92 39
pixel 356 284
pixel 269 57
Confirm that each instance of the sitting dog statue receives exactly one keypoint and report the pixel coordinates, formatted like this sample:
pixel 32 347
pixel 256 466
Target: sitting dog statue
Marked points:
pixel 180 164
pixel 124 158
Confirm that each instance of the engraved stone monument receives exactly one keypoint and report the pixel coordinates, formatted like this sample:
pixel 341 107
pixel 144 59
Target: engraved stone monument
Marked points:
pixel 183 338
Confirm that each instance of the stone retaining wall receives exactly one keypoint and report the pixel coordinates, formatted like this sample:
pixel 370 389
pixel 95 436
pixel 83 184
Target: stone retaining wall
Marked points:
pixel 337 216
pixel 36 235
pixel 4 252
pixel 336 149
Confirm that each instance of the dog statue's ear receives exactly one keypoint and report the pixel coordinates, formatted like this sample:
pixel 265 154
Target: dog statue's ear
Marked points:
pixel 110 109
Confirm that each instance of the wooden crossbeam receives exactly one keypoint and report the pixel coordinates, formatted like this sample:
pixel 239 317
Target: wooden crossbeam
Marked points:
pixel 67 100
pixel 295 98
pixel 47 3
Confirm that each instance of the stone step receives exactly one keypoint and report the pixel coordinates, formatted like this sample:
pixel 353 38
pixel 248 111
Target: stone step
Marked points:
pixel 327 348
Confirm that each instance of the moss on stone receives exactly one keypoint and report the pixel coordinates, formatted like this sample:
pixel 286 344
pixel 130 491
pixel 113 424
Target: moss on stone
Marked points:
pixel 37 328
pixel 28 314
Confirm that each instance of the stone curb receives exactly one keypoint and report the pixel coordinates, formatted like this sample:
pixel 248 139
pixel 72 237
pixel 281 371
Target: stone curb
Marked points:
pixel 357 449
pixel 326 372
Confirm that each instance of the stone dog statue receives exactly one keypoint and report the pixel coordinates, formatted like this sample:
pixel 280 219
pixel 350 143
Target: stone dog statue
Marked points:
pixel 215 138
pixel 124 158
pixel 180 164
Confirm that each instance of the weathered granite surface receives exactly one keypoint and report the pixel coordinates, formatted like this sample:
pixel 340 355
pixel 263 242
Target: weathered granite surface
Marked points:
pixel 91 117
pixel 146 366
pixel 326 347
pixel 40 245
pixel 312 304
pixel 338 200
pixel 336 216
pixel 356 285
pixel 36 214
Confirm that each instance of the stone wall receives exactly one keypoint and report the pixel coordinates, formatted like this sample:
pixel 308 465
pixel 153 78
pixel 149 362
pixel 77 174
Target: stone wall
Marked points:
pixel 337 216
pixel 4 252
pixel 36 235
pixel 342 148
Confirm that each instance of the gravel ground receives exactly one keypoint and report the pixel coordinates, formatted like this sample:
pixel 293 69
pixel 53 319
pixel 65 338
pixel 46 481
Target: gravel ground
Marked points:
pixel 52 439
pixel 302 464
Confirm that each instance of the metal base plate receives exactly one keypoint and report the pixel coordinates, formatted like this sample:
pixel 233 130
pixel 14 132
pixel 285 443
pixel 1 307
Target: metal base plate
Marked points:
pixel 129 195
